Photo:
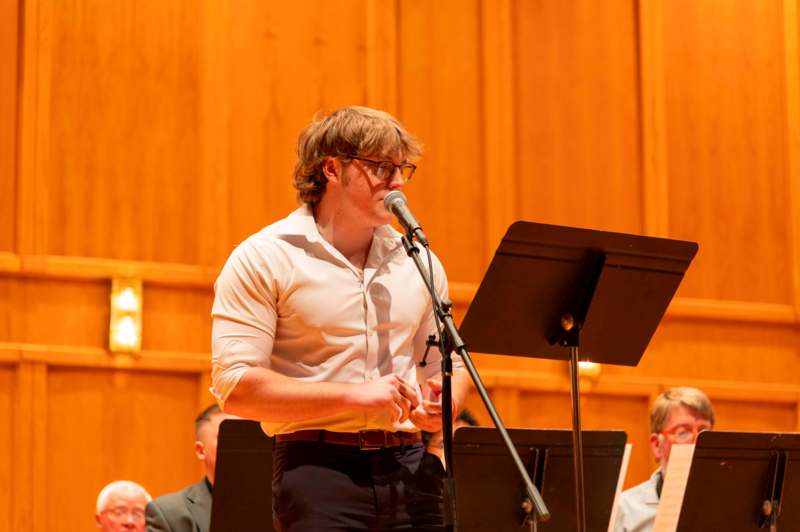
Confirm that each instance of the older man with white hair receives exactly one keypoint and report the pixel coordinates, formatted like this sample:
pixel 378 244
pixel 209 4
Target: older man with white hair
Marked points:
pixel 120 507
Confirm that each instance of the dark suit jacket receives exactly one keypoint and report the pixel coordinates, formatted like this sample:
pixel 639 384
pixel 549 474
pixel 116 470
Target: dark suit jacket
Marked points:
pixel 187 510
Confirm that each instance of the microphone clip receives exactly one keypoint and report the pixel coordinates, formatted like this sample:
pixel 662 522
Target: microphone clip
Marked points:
pixel 430 342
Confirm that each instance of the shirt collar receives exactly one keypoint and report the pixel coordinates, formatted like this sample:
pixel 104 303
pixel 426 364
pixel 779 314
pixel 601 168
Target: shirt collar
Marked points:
pixel 301 223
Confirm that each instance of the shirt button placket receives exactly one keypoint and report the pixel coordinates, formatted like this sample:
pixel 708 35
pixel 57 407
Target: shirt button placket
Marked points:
pixel 365 310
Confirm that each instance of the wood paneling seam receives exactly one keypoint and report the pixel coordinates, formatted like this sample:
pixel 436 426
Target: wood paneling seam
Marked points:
pixel 653 118
pixel 792 58
pixel 498 118
pixel 382 49
pixel 215 115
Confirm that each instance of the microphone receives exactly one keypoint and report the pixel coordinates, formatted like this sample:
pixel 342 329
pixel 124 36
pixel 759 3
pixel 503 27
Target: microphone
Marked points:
pixel 397 204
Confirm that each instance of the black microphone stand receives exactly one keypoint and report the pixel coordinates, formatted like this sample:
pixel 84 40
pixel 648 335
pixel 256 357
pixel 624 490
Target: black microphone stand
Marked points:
pixel 449 340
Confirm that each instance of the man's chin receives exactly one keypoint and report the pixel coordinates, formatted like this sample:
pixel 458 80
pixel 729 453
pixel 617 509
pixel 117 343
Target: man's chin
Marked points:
pixel 383 218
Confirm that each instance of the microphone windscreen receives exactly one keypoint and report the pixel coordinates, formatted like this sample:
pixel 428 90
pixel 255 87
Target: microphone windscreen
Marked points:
pixel 392 199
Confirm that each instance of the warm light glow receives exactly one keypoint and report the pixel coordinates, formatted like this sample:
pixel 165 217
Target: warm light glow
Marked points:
pixel 588 369
pixel 125 326
pixel 126 334
pixel 127 300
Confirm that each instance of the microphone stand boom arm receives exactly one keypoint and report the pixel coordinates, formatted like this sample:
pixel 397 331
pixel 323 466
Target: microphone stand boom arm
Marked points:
pixel 450 340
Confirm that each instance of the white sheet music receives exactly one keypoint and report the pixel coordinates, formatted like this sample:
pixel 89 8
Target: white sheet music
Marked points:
pixel 669 507
pixel 623 471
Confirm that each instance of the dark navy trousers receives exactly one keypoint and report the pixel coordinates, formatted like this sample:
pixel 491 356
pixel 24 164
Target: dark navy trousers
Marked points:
pixel 323 486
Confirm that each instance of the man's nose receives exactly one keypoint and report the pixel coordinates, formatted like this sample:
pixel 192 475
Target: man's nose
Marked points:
pixel 396 182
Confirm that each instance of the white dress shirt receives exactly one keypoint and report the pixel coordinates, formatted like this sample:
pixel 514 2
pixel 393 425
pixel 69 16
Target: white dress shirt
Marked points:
pixel 638 506
pixel 289 301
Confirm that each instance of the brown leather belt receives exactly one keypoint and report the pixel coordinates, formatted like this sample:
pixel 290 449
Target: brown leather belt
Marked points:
pixel 364 440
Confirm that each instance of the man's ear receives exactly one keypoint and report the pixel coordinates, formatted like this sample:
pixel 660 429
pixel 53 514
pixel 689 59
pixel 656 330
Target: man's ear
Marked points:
pixel 655 445
pixel 199 450
pixel 332 169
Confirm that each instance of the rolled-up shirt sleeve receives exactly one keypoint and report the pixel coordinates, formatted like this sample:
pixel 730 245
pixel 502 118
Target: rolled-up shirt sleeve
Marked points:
pixel 244 318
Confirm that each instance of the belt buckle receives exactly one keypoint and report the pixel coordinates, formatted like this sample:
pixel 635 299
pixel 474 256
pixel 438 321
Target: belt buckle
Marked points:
pixel 366 445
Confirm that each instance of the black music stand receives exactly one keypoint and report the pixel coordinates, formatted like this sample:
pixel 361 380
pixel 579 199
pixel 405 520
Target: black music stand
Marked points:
pixel 575 294
pixel 742 482
pixel 490 492
pixel 242 499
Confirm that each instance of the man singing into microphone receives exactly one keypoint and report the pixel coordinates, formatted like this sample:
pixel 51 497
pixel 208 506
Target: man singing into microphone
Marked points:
pixel 320 323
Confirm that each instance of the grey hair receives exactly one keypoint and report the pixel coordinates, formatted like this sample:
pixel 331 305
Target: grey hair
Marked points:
pixel 685 396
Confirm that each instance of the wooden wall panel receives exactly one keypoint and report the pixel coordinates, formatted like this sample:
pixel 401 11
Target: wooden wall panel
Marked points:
pixel 727 146
pixel 628 413
pixel 742 415
pixel 10 319
pixel 440 102
pixel 557 370
pixel 287 62
pixel 791 30
pixel 176 319
pixel 7 427
pixel 56 312
pixel 164 134
pixel 106 425
pixel 213 134
pixel 721 351
pixel 9 53
pixel 545 410
pixel 576 92
pixel 121 134
pixel 29 448
pixel 499 115
pixel 60 321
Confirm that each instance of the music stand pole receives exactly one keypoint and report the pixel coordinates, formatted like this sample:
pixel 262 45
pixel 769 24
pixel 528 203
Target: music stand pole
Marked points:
pixel 451 340
pixel 571 328
pixel 485 478
pixel 547 285
pixel 577 441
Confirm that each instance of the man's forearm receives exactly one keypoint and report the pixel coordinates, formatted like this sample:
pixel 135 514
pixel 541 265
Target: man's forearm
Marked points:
pixel 265 395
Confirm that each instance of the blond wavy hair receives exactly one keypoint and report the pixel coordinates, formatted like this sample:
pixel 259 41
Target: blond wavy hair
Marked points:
pixel 359 131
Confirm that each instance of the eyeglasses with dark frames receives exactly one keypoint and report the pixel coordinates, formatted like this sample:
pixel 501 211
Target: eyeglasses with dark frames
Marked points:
pixel 385 169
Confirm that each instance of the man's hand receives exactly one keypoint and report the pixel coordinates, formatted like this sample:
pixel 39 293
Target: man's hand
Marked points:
pixel 391 393
pixel 428 415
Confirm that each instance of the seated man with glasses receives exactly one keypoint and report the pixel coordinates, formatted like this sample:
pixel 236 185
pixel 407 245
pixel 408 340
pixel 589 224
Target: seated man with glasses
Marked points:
pixel 120 506
pixel 677 417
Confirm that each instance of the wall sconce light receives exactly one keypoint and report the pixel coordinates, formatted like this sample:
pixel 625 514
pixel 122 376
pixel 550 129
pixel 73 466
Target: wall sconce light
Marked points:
pixel 125 325
pixel 589 370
